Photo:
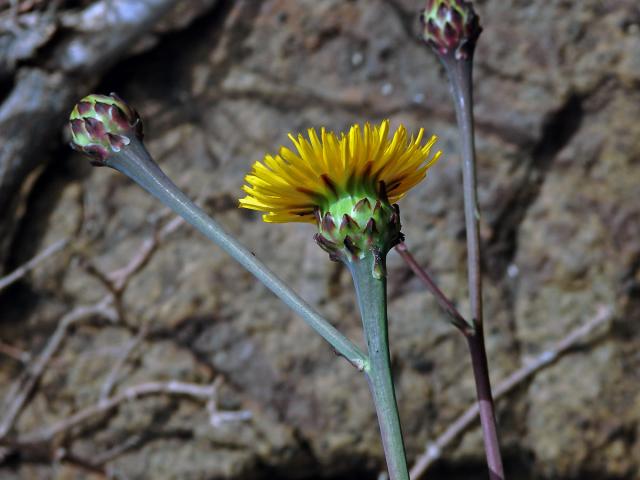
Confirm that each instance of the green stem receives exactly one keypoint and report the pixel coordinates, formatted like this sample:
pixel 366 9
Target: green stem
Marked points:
pixel 135 162
pixel 372 300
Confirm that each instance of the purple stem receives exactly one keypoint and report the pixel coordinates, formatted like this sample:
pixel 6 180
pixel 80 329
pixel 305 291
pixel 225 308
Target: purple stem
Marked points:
pixel 460 77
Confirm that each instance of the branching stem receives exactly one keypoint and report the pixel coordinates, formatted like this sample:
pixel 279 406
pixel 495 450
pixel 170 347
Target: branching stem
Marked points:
pixel 445 303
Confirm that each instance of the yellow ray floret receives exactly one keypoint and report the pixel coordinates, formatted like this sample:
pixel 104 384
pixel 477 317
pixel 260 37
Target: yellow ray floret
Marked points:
pixel 326 168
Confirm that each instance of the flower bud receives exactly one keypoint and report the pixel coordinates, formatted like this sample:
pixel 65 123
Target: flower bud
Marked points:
pixel 451 27
pixel 101 125
pixel 352 229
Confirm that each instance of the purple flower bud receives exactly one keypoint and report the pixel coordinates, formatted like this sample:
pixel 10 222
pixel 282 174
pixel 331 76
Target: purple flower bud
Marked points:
pixel 101 125
pixel 451 27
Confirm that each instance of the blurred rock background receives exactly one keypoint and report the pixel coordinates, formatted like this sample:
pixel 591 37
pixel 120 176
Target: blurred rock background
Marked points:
pixel 219 83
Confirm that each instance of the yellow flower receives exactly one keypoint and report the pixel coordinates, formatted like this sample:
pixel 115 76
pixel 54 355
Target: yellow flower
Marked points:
pixel 330 172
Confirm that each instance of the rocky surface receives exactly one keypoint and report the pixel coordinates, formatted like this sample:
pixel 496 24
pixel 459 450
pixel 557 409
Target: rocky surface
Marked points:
pixel 557 90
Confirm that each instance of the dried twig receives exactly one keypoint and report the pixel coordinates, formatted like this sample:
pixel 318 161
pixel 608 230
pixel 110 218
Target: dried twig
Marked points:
pixel 108 307
pixel 434 449
pixel 22 356
pixel 119 278
pixel 14 352
pixel 192 390
pixel 117 450
pixel 21 271
pixel 24 386
pixel 114 374
pixel 218 417
pixel 117 281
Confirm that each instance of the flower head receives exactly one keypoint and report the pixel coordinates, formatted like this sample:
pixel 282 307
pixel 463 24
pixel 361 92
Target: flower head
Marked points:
pixel 451 27
pixel 101 125
pixel 345 184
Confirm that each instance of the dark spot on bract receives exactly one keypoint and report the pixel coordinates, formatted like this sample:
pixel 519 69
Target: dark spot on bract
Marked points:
pixel 94 127
pixel 102 108
pixel 77 127
pixel 84 108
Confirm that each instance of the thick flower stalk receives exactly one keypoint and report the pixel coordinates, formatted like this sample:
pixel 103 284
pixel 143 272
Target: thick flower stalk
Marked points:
pixel 347 186
pixel 110 133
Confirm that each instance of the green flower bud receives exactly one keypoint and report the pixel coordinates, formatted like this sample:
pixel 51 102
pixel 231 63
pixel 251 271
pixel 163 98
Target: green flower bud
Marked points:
pixel 451 27
pixel 353 228
pixel 101 125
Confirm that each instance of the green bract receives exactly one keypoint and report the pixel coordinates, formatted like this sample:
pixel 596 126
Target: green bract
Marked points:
pixel 354 228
